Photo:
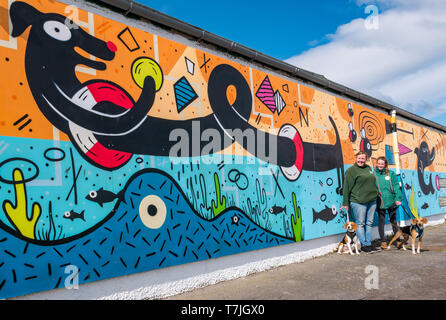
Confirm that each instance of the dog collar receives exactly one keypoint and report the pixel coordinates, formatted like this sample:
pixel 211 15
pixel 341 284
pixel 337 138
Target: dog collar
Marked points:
pixel 418 230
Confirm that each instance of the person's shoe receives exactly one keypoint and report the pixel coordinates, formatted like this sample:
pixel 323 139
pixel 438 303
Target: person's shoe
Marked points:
pixel 384 245
pixel 366 249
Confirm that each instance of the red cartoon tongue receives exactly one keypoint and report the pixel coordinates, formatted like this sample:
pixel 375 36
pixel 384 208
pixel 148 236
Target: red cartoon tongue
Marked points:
pixel 88 97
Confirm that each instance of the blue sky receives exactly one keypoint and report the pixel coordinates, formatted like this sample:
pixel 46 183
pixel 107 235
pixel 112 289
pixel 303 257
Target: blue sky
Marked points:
pixel 280 31
pixel 402 60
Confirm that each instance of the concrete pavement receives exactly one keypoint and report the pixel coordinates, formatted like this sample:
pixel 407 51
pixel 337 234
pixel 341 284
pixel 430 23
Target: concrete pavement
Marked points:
pixel 393 274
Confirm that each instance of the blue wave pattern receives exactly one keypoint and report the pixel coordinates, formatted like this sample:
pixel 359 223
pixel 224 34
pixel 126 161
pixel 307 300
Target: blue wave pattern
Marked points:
pixel 124 242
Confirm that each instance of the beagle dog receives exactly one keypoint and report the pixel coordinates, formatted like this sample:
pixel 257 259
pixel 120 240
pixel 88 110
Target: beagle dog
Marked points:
pixel 350 238
pixel 415 230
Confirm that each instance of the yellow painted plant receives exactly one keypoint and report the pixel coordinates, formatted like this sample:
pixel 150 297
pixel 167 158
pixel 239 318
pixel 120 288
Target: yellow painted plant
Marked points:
pixel 17 214
pixel 413 202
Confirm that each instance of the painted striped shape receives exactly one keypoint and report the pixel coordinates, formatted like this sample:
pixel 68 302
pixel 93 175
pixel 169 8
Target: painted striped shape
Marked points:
pixel 280 103
pixel 266 94
pixel 184 94
pixel 442 201
pixel 441 183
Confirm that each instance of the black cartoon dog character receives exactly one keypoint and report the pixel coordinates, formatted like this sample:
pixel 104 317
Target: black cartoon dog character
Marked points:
pixel 424 159
pixel 50 62
pixel 107 126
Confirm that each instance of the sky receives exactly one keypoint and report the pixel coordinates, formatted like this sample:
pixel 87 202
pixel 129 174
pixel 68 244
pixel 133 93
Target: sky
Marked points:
pixel 393 50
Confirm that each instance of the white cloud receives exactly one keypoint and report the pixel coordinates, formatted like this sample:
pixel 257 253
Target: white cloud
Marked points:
pixel 402 62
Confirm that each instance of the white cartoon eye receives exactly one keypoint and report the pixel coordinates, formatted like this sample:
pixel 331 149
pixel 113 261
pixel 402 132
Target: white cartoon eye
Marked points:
pixel 152 211
pixel 66 214
pixel 93 194
pixel 334 210
pixel 57 30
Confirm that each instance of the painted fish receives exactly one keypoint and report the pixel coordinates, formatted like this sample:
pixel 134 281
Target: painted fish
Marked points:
pixel 74 215
pixel 276 210
pixel 153 226
pixel 425 206
pixel 102 196
pixel 326 214
pixel 407 186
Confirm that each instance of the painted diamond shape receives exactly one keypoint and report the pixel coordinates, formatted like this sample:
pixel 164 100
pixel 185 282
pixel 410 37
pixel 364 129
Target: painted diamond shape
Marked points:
pixel 266 94
pixel 190 66
pixel 280 103
pixel 184 94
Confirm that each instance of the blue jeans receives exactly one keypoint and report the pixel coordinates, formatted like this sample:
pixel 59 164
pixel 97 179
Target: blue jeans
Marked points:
pixel 363 215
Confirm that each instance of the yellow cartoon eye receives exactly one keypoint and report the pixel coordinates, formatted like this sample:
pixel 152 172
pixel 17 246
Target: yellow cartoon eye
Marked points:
pixel 152 211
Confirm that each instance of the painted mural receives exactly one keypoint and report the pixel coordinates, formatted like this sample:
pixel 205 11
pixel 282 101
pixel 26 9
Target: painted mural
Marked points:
pixel 122 151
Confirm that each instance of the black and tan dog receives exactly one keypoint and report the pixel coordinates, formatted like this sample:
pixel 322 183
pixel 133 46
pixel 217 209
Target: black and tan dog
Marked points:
pixel 415 230
pixel 350 238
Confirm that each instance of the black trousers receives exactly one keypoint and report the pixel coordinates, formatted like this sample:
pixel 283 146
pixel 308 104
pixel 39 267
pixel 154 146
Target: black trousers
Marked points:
pixel 382 220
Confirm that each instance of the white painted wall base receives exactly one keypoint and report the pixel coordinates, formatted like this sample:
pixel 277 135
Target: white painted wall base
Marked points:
pixel 174 280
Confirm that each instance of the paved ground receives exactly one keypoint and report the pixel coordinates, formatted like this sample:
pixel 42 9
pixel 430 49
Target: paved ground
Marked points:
pixel 394 274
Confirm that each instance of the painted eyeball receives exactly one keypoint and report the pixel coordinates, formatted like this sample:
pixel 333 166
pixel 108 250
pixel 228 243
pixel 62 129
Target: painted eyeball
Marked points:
pixel 152 211
pixel 57 30
pixel 334 210
pixel 235 219
pixel 93 194
pixel 66 214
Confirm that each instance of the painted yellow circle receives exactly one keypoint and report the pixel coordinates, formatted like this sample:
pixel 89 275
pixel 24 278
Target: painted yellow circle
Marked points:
pixel 143 67
pixel 152 211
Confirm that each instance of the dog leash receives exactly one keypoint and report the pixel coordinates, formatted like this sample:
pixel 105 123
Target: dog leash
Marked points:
pixel 346 211
pixel 405 211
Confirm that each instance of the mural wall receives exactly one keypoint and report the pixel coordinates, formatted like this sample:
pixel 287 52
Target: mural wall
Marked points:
pixel 122 151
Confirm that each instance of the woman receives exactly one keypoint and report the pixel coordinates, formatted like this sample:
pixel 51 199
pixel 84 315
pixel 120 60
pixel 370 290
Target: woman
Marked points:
pixel 360 192
pixel 390 196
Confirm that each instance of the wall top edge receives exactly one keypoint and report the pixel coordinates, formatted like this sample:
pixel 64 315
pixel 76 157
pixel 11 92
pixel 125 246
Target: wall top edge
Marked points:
pixel 130 7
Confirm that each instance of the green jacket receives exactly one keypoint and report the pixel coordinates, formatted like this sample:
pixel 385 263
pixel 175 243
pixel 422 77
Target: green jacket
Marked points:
pixel 387 195
pixel 359 185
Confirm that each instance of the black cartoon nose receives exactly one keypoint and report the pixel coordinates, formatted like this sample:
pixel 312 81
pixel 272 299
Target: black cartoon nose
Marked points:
pixel 96 47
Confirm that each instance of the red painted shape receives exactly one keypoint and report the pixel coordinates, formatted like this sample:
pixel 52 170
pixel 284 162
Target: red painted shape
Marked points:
pixel 103 91
pixel 299 151
pixel 107 158
pixel 111 46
